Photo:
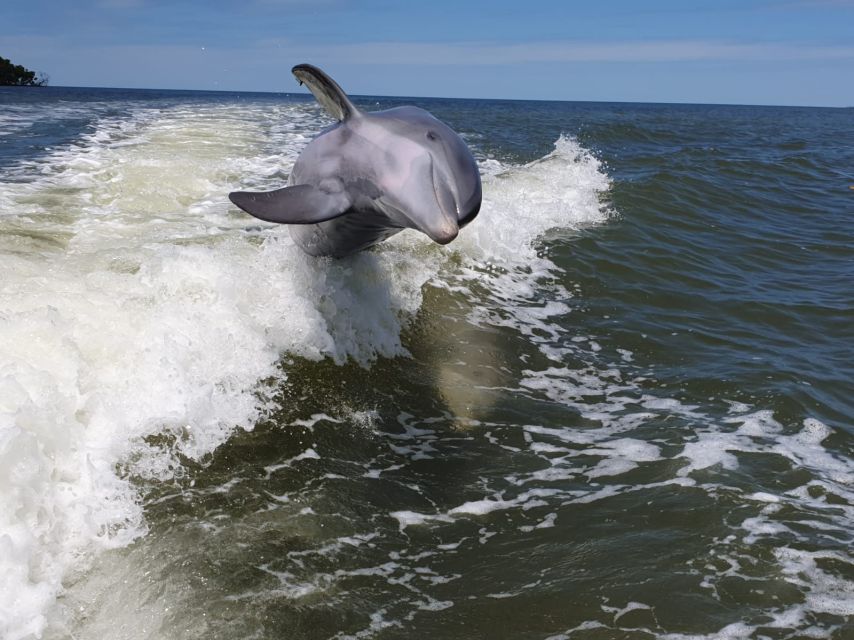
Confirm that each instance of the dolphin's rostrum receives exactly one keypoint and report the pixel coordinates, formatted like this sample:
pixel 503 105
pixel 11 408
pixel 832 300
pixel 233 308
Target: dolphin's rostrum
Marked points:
pixel 369 176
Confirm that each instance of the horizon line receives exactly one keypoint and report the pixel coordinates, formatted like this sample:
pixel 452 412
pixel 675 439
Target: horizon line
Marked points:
pixel 358 95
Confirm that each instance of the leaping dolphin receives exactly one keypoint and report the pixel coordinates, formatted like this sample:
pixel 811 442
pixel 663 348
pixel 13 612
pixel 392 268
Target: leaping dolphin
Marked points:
pixel 370 176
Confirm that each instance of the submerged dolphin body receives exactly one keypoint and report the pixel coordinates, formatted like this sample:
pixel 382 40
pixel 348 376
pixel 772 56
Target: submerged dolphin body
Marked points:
pixel 370 176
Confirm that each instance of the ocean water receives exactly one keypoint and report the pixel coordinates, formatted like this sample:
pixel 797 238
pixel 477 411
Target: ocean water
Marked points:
pixel 619 405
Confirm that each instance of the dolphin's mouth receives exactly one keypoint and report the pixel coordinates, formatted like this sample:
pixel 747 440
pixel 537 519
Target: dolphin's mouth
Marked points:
pixel 445 236
pixel 432 208
pixel 447 227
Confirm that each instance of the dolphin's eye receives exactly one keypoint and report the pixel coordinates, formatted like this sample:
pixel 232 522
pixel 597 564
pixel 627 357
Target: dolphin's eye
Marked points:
pixel 431 135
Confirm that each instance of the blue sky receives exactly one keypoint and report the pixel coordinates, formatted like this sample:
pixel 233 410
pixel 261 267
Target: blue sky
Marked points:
pixel 749 52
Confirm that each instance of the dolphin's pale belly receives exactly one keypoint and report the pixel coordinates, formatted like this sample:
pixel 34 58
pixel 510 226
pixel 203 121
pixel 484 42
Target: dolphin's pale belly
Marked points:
pixel 349 233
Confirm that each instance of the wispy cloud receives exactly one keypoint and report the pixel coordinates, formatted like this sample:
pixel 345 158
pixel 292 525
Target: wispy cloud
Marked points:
pixel 414 54
pixel 119 4
pixel 831 3
pixel 477 53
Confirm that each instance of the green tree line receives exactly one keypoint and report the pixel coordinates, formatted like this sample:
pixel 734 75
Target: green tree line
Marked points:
pixel 18 76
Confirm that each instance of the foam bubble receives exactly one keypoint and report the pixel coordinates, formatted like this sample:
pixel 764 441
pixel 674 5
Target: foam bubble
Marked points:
pixel 413 518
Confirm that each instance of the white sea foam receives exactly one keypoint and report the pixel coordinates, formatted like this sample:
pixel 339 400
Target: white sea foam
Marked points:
pixel 559 191
pixel 152 310
pixel 134 302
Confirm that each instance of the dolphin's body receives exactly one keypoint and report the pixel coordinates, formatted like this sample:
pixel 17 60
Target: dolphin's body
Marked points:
pixel 370 176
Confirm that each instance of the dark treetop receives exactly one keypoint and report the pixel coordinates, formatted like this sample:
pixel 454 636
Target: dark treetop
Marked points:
pixel 16 75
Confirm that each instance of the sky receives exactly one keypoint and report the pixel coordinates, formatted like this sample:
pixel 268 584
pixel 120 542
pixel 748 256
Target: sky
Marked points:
pixel 785 52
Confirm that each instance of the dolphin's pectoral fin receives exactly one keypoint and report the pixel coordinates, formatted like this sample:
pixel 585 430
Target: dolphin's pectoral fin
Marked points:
pixel 326 90
pixel 302 204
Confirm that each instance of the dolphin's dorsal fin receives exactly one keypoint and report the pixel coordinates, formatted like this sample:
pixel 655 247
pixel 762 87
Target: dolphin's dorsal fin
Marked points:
pixel 326 90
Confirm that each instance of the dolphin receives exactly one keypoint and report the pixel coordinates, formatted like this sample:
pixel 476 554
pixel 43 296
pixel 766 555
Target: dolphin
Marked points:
pixel 369 176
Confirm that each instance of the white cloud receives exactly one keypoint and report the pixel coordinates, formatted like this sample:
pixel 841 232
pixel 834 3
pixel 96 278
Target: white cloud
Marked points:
pixel 474 53
pixel 119 4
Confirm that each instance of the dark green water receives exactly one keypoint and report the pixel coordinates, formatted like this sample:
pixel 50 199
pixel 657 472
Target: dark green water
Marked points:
pixel 618 406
